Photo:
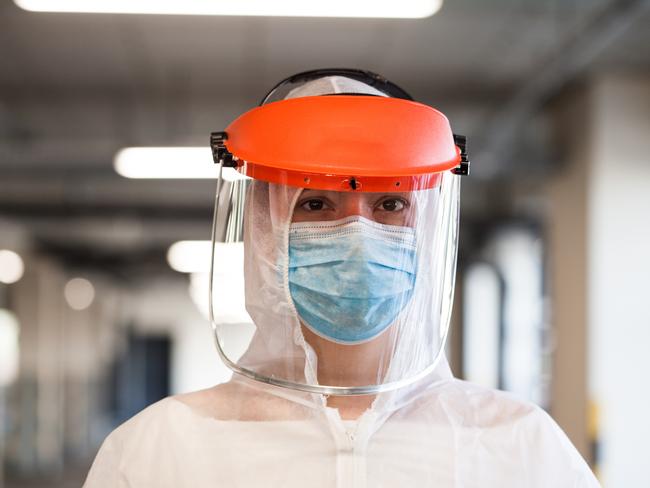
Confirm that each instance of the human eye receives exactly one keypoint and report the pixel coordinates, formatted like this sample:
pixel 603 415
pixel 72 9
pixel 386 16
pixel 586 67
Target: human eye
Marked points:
pixel 392 204
pixel 314 205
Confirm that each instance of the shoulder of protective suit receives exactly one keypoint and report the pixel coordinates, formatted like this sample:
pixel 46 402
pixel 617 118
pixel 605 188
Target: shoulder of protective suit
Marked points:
pixel 479 406
pixel 136 438
pixel 506 427
pixel 157 430
pixel 155 414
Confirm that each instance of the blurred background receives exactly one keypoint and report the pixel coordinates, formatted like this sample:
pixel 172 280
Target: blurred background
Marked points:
pixel 554 267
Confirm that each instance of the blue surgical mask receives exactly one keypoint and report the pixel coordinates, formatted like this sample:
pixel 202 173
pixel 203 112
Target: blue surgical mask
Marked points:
pixel 350 278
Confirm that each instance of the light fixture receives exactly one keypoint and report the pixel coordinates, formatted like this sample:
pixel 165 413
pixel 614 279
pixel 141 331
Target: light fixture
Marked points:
pixel 277 8
pixel 194 256
pixel 79 293
pixel 11 267
pixel 170 162
pixel 189 256
pixel 9 347
pixel 228 293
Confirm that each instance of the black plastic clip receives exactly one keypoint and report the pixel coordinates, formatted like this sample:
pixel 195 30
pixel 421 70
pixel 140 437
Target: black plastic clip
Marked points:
pixel 219 152
pixel 463 168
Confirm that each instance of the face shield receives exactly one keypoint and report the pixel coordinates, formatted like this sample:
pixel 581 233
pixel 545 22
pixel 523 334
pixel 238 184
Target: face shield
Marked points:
pixel 335 236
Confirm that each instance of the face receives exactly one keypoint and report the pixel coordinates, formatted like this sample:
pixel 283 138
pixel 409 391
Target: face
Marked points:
pixel 397 208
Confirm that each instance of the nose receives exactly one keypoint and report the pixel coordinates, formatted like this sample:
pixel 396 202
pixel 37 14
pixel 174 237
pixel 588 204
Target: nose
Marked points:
pixel 352 204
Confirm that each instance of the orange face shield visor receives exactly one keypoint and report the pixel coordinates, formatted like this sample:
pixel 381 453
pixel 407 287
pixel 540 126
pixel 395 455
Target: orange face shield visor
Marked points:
pixel 343 143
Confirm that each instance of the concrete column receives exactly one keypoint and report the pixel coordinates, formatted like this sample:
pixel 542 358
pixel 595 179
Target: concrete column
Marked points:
pixel 38 305
pixel 599 237
pixel 567 274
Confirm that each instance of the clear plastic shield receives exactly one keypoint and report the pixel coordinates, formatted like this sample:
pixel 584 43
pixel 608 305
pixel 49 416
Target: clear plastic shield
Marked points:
pixel 333 292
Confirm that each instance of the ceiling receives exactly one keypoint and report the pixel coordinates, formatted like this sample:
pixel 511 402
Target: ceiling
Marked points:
pixel 74 88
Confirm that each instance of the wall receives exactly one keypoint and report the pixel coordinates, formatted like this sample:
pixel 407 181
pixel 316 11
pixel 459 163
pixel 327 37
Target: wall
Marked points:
pixel 619 265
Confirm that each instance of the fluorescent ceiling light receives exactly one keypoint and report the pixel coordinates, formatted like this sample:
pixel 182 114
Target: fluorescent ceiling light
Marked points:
pixel 189 256
pixel 228 293
pixel 170 162
pixel 228 288
pixel 194 257
pixel 413 9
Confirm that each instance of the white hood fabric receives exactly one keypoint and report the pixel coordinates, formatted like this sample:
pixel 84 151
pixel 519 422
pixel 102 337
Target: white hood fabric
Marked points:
pixel 436 432
pixel 333 85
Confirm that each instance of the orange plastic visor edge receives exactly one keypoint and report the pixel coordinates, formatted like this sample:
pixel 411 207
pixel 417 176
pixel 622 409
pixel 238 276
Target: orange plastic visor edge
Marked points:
pixel 344 143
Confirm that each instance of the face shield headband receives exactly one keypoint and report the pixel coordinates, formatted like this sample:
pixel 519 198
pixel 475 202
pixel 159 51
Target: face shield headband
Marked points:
pixel 366 80
pixel 343 143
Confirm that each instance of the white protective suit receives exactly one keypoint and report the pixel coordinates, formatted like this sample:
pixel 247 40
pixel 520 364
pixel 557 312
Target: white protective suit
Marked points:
pixel 447 434
pixel 436 432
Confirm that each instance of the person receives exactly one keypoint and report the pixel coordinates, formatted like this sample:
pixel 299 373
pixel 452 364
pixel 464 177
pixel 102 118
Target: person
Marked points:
pixel 347 206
